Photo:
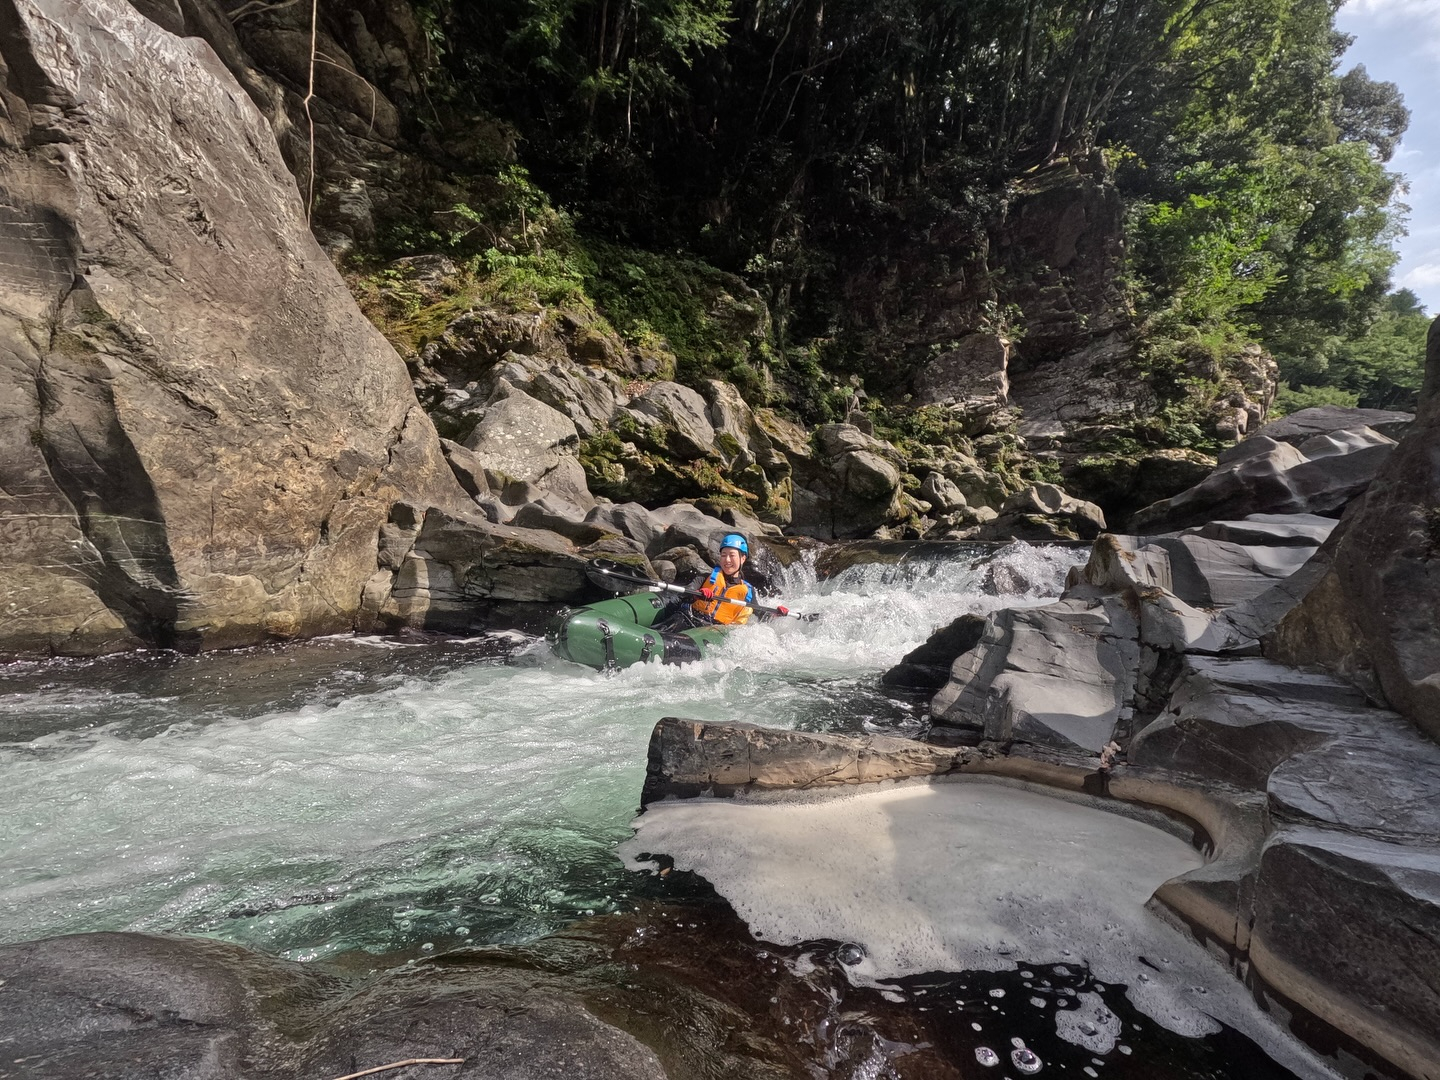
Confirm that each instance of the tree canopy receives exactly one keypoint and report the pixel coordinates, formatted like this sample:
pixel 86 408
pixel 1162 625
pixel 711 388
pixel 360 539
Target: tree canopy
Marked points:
pixel 766 135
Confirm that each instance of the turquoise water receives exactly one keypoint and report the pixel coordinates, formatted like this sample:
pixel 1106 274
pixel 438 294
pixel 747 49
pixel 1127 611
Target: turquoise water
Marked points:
pixel 378 794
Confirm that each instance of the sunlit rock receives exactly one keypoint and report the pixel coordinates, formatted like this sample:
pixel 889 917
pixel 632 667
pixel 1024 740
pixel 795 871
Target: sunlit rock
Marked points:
pixel 203 434
pixel 1265 475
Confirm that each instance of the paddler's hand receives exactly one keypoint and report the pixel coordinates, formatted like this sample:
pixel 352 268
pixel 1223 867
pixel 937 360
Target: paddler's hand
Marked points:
pixel 708 593
pixel 782 610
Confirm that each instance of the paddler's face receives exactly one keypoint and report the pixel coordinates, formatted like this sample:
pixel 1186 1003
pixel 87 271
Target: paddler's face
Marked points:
pixel 730 561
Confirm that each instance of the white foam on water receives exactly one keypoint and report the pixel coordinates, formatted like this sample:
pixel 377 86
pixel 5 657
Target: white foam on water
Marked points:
pixel 961 875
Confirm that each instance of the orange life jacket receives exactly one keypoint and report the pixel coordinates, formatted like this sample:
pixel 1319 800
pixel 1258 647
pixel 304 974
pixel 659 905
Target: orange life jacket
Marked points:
pixel 722 611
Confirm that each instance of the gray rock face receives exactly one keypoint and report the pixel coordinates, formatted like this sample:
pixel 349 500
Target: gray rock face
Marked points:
pixel 971 377
pixel 1234 721
pixel 457 562
pixel 1375 611
pixel 627 519
pixel 1044 512
pixel 202 434
pixel 1267 476
pixel 683 414
pixel 850 489
pixel 1061 675
pixel 130 1005
pixel 1350 927
pixel 1300 426
pixel 1271 530
pixel 942 494
pixel 1072 675
pixel 524 439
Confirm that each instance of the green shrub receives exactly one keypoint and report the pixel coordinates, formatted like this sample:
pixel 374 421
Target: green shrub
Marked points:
pixel 1288 401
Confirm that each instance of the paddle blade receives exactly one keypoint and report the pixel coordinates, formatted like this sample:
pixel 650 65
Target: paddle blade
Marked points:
pixel 616 577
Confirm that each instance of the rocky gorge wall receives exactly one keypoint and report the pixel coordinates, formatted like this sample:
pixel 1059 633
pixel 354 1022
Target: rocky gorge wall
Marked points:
pixel 210 446
pixel 202 434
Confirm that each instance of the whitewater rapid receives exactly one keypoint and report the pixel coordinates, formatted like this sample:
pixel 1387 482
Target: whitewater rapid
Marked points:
pixel 366 793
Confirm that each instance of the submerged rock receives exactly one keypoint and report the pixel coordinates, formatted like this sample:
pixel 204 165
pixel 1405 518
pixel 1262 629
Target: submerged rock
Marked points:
pixel 128 1005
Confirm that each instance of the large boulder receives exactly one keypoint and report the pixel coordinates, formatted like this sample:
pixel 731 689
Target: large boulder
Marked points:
pixel 1376 608
pixel 681 416
pixel 524 439
pixel 203 436
pixel 1264 475
pixel 1044 513
pixel 849 488
pixel 691 757
pixel 1062 675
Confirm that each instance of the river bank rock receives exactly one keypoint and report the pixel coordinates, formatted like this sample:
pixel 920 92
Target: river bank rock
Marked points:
pixel 1374 610
pixel 1306 467
pixel 203 435
pixel 128 1005
pixel 1073 675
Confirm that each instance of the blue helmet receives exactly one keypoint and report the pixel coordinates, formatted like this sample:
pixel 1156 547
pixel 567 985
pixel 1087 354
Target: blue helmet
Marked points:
pixel 736 541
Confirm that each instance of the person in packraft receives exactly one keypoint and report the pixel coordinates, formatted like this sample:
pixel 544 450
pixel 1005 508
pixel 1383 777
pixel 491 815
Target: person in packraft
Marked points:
pixel 725 596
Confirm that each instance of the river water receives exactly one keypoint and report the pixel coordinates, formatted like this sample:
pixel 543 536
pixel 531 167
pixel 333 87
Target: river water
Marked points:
pixel 404 797
pixel 371 793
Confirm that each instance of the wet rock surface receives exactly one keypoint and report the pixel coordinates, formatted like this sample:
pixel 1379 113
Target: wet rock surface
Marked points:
pixel 678 988
pixel 133 1005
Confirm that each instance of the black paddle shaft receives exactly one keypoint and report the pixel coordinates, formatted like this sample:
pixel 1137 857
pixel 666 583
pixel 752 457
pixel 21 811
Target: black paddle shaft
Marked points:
pixel 606 574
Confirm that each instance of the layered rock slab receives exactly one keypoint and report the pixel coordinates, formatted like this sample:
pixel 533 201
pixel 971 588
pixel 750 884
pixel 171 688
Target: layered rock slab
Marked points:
pixel 204 435
pixel 1063 675
pixel 1271 474
pixel 1376 609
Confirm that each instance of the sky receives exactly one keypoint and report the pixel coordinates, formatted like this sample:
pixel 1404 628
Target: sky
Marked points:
pixel 1399 41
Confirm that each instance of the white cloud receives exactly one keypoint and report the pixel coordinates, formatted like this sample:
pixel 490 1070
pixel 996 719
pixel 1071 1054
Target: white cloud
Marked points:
pixel 1392 9
pixel 1421 278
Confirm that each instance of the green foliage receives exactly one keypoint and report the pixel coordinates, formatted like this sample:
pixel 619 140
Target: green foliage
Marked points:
pixel 685 306
pixel 1288 401
pixel 1381 368
pixel 815 144
pixel 914 430
pixel 552 277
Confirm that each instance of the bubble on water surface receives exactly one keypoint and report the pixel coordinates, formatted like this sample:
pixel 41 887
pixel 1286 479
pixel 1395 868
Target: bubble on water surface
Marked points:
pixel 1025 1060
pixel 985 1055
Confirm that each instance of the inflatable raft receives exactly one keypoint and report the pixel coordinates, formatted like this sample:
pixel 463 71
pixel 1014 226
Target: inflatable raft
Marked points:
pixel 615 633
